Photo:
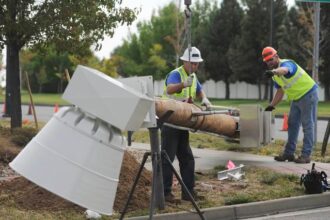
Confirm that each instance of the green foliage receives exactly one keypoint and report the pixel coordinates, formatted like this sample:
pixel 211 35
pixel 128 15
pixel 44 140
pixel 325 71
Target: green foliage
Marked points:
pixel 269 178
pixel 45 69
pixel 246 52
pixel 324 74
pixel 69 26
pixel 151 52
pixel 296 36
pixel 223 30
pixel 238 199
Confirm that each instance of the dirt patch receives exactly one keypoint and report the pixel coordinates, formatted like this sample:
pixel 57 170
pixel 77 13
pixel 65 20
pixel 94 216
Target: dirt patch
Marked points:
pixel 29 196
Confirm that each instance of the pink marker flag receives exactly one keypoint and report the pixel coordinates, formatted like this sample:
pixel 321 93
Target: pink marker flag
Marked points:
pixel 230 165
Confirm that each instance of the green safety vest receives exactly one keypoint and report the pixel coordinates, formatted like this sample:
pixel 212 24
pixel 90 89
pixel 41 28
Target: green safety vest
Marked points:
pixel 184 94
pixel 296 86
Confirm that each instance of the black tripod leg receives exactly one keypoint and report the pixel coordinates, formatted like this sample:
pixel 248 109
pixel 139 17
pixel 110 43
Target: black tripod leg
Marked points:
pixel 325 139
pixel 183 185
pixel 145 156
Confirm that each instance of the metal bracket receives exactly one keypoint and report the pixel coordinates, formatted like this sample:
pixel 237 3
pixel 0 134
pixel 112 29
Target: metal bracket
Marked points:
pixel 232 173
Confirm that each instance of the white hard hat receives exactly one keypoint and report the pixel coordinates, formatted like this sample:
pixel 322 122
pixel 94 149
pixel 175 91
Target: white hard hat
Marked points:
pixel 195 55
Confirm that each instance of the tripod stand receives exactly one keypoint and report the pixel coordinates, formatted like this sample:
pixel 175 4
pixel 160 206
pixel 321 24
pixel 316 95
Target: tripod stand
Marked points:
pixel 157 193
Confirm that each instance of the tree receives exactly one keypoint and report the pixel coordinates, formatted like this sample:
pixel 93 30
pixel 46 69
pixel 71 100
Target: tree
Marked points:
pixel 225 27
pixel 296 35
pixel 151 50
pixel 46 67
pixel 68 25
pixel 1 64
pixel 325 51
pixel 245 54
pixel 202 14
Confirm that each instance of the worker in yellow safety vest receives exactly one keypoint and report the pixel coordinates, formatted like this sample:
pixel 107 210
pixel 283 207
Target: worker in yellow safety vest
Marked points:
pixel 293 81
pixel 181 84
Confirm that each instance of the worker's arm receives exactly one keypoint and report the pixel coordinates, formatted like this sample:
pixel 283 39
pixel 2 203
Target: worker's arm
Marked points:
pixel 204 100
pixel 174 88
pixel 175 85
pixel 200 95
pixel 277 97
pixel 280 71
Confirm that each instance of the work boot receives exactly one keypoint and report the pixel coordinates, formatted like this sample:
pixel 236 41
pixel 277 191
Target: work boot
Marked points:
pixel 194 194
pixel 171 198
pixel 303 159
pixel 284 157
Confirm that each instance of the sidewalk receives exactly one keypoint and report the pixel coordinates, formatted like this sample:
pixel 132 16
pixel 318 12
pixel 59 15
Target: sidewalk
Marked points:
pixel 206 159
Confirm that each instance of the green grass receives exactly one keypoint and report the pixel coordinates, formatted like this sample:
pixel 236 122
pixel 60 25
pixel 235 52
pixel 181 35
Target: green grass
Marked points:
pixel 40 98
pixel 212 141
pixel 281 108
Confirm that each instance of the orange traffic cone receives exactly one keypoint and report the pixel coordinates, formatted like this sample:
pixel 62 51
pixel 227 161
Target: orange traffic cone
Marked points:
pixel 285 122
pixel 56 108
pixel 30 110
pixel 25 122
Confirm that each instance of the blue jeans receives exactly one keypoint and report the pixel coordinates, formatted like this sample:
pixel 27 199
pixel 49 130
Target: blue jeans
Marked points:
pixel 302 112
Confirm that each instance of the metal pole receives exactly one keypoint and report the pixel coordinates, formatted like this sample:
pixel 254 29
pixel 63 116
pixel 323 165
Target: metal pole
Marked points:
pixel 271 44
pixel 316 41
pixel 157 194
pixel 316 55
pixel 188 32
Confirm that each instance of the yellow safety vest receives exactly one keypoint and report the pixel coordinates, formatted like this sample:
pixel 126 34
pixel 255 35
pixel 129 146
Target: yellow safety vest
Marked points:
pixel 184 94
pixel 296 86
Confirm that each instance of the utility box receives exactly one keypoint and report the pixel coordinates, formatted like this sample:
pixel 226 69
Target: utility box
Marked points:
pixel 268 127
pixel 256 126
pixel 109 99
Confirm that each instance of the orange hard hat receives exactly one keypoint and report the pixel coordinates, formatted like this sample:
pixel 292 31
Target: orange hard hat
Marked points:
pixel 268 53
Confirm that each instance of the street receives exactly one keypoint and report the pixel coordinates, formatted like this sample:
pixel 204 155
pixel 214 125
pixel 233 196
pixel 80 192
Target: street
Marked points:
pixel 309 214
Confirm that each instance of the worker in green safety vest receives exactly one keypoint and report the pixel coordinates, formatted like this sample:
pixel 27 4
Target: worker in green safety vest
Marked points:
pixel 291 80
pixel 181 84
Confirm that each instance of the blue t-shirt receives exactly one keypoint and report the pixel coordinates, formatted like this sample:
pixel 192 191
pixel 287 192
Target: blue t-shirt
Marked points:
pixel 292 67
pixel 175 78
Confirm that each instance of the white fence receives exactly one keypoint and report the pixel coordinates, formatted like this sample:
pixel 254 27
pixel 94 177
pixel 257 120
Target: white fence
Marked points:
pixel 238 90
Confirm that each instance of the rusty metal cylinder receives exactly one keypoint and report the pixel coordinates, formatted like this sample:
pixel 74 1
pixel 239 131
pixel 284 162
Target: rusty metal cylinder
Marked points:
pixel 186 115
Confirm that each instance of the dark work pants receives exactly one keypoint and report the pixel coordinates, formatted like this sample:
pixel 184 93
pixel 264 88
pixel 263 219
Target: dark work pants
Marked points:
pixel 176 143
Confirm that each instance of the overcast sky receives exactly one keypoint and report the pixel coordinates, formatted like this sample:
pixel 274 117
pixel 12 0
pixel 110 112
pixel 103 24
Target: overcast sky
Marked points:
pixel 147 7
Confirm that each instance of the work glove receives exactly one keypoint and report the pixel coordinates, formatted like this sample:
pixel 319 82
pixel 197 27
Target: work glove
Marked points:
pixel 206 103
pixel 188 82
pixel 269 73
pixel 269 108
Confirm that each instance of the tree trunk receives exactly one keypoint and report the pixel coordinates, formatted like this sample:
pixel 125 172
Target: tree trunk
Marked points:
pixel 227 89
pixel 259 90
pixel 13 90
pixel 326 91
pixel 266 91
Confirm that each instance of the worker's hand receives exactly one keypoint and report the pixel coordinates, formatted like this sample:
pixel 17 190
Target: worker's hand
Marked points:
pixel 188 82
pixel 269 108
pixel 269 73
pixel 206 102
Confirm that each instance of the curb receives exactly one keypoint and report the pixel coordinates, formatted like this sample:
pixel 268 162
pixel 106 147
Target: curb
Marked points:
pixel 250 210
